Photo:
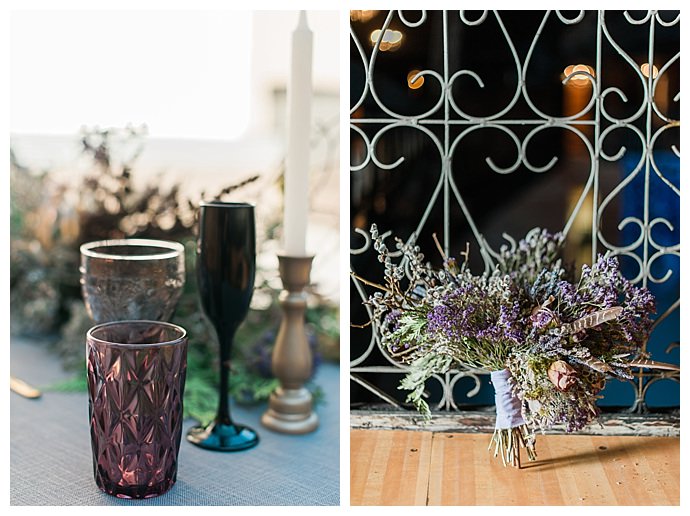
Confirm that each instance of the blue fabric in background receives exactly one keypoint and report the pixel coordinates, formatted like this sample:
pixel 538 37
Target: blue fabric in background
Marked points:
pixel 663 203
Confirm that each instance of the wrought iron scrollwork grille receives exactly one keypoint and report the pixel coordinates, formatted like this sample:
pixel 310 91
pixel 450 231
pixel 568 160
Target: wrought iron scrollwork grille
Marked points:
pixel 593 124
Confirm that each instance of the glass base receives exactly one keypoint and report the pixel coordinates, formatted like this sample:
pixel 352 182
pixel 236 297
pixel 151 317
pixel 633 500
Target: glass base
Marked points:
pixel 223 437
pixel 134 492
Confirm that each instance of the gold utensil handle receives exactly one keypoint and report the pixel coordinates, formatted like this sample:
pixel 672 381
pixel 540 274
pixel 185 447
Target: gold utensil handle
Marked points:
pixel 23 389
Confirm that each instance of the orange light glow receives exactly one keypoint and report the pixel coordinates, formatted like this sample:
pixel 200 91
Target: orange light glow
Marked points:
pixel 391 40
pixel 579 79
pixel 414 84
pixel 645 70
pixel 362 16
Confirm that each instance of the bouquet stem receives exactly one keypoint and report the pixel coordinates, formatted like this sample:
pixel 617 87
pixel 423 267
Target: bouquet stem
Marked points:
pixel 511 431
pixel 507 443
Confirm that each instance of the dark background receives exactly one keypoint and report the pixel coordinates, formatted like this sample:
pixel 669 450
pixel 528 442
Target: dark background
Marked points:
pixel 512 203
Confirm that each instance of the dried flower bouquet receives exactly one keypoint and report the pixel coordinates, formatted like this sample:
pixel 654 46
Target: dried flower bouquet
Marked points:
pixel 549 340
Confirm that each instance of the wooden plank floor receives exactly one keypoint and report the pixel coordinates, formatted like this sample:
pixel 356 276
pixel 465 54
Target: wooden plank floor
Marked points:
pixel 398 467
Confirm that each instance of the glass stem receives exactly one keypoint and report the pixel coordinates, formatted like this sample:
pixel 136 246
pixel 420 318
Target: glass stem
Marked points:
pixel 223 416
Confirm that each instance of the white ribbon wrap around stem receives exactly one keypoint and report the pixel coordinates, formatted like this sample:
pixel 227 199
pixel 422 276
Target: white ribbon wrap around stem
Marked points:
pixel 508 406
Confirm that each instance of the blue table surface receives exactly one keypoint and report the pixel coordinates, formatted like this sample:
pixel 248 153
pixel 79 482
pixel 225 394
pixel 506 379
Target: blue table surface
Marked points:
pixel 50 451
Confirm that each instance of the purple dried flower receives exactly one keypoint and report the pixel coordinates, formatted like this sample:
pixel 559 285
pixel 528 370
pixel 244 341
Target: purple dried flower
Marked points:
pixel 392 320
pixel 541 318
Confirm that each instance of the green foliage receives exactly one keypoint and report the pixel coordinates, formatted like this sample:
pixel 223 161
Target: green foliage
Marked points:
pixel 73 384
pixel 200 399
pixel 419 371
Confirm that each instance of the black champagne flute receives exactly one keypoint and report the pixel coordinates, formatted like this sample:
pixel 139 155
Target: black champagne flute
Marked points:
pixel 226 266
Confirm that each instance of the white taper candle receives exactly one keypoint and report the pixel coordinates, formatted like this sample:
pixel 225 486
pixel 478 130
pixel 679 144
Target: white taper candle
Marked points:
pixel 299 95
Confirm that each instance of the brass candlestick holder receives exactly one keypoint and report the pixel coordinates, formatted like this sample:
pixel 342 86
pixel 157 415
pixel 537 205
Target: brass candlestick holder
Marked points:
pixel 290 405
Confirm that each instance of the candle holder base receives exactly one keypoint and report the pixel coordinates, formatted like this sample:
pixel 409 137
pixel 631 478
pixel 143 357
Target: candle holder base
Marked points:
pixel 290 412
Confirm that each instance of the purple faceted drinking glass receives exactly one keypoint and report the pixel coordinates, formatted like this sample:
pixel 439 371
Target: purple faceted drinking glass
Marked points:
pixel 136 374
